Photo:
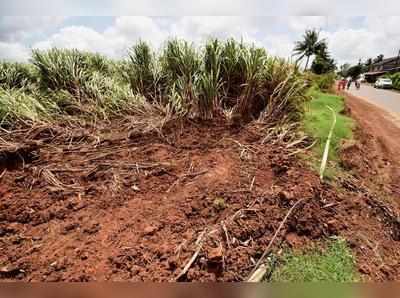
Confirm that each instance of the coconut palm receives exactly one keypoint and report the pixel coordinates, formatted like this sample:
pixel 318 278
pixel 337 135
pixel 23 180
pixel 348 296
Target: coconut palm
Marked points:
pixel 310 45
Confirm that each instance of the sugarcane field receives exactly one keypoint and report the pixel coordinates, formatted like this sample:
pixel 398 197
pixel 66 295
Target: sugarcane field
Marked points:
pixel 195 161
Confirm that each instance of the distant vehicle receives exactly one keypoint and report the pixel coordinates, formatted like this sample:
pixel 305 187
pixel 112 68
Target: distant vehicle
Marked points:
pixel 383 83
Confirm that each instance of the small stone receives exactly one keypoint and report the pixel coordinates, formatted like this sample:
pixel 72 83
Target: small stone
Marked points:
pixel 149 230
pixel 215 254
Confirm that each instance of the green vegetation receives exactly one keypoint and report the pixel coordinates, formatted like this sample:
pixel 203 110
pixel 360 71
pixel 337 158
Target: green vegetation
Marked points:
pixel 309 46
pixel 318 120
pixel 322 64
pixel 17 105
pixel 395 80
pixel 16 75
pixel 324 82
pixel 335 263
pixel 220 78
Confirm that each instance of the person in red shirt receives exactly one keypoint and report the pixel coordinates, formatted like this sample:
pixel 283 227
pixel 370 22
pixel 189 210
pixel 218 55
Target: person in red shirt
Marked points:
pixel 342 84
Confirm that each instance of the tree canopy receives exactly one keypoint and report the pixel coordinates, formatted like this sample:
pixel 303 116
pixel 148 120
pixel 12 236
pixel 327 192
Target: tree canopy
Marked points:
pixel 309 46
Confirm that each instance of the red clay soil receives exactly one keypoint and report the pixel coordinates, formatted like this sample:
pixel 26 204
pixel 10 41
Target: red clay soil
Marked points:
pixel 106 204
pixel 380 135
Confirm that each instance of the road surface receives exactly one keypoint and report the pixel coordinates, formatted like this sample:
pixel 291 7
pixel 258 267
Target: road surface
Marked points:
pixel 386 99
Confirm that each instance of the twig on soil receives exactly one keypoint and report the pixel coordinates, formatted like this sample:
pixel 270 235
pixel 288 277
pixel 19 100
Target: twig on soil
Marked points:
pixel 179 248
pixel 52 180
pixel 189 175
pixel 252 183
pixel 73 170
pixel 3 173
pixel 294 143
pixel 228 242
pixel 199 243
pixel 139 166
pixel 244 148
pixel 111 152
pixel 208 232
pixel 239 191
pixel 259 271
pixel 329 205
pixel 302 149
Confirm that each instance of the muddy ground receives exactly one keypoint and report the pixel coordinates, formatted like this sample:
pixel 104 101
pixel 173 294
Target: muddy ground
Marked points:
pixel 104 203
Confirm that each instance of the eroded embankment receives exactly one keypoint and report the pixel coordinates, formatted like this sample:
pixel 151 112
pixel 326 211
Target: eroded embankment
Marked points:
pixel 102 203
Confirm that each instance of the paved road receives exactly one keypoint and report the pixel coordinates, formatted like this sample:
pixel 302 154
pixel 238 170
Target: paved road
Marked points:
pixel 386 99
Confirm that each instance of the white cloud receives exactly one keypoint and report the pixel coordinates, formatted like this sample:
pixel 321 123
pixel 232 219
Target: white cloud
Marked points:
pixel 185 7
pixel 301 23
pixel 279 45
pixel 79 37
pixel 19 28
pixel 198 29
pixel 128 30
pixel 377 36
pixel 113 42
pixel 349 38
pixel 201 7
pixel 13 51
pixel 388 25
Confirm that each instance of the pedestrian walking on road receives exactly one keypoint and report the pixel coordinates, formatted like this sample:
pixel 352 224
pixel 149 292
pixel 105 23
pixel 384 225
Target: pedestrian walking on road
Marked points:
pixel 348 83
pixel 358 83
pixel 342 84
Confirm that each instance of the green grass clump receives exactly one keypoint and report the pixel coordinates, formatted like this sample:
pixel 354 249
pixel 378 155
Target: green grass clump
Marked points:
pixel 324 82
pixel 332 264
pixel 17 105
pixel 318 120
pixel 16 75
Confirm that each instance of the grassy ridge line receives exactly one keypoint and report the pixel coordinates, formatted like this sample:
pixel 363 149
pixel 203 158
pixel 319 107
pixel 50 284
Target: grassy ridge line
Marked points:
pixel 318 119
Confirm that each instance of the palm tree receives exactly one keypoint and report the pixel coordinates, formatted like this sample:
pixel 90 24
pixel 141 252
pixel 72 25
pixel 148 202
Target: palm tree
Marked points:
pixel 310 45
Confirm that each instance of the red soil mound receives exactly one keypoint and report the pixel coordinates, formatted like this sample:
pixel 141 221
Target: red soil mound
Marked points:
pixel 95 205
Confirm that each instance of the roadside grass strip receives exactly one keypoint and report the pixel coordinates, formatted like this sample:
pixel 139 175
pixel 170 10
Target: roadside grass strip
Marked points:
pixel 335 263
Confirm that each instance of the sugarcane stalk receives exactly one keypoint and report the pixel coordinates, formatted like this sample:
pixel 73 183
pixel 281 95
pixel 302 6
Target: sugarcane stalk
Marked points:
pixel 327 144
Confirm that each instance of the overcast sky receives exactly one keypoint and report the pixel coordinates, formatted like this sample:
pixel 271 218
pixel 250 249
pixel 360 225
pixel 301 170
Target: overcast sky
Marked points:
pixel 349 37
